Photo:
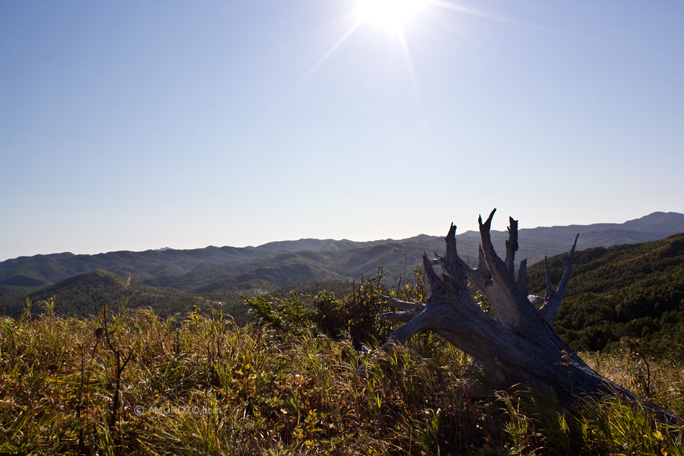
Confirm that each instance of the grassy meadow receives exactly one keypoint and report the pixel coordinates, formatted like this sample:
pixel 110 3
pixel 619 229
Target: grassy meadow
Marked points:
pixel 130 382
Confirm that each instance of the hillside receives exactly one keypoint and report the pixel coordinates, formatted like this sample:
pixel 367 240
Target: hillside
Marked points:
pixel 199 383
pixel 227 273
pixel 85 294
pixel 634 291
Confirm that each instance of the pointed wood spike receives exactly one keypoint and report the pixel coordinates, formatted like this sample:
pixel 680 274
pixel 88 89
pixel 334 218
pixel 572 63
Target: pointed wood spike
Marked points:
pixel 451 242
pixel 563 285
pixel 488 223
pixel 433 279
pixel 553 302
pixel 485 235
pixel 574 244
pixel 482 265
pixel 547 277
pixel 511 307
pixel 511 245
pixel 522 277
pixel 494 263
pixel 452 261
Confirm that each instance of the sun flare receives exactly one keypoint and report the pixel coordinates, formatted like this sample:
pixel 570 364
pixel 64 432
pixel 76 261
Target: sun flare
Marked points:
pixel 390 15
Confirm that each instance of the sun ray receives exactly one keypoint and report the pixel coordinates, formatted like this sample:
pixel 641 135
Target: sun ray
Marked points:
pixel 392 16
pixel 331 50
pixel 445 5
pixel 473 12
pixel 414 84
pixel 308 74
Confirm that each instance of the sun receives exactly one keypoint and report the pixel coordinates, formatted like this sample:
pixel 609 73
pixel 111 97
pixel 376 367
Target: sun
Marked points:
pixel 390 15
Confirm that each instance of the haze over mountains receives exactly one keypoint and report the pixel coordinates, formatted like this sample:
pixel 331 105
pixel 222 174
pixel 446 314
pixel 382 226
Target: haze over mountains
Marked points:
pixel 232 271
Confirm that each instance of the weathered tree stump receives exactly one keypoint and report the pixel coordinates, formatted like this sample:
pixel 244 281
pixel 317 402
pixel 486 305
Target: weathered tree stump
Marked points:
pixel 514 341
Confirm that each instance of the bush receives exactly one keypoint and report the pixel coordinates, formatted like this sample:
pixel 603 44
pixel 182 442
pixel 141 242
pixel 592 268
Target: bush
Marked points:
pixel 356 317
pixel 201 384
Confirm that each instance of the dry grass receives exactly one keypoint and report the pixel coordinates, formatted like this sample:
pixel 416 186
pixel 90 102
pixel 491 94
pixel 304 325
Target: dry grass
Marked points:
pixel 202 385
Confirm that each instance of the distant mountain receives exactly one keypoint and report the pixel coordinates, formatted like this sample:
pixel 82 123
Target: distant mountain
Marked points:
pixel 535 243
pixel 229 272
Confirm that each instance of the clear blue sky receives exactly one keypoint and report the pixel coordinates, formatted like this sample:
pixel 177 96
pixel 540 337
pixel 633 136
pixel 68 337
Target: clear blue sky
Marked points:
pixel 128 125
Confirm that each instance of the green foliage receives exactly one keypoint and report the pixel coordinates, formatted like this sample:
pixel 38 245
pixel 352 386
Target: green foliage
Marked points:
pixel 263 310
pixel 132 382
pixel 357 316
pixel 227 272
pixel 615 427
pixel 201 384
pixel 84 294
pixel 627 291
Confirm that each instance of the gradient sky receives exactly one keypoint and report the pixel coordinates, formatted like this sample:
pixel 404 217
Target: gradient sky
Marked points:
pixel 129 125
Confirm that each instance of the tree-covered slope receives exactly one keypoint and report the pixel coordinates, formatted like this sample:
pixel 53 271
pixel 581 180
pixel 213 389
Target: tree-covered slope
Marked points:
pixel 214 268
pixel 85 294
pixel 634 291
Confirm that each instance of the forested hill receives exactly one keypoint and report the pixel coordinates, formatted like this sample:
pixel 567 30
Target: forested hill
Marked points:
pixel 226 273
pixel 169 264
pixel 634 291
pixel 85 295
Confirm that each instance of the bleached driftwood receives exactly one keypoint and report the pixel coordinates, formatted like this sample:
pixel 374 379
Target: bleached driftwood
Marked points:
pixel 515 340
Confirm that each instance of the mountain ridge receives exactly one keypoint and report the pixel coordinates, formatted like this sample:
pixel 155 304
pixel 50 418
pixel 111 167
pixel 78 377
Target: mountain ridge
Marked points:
pixel 279 264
